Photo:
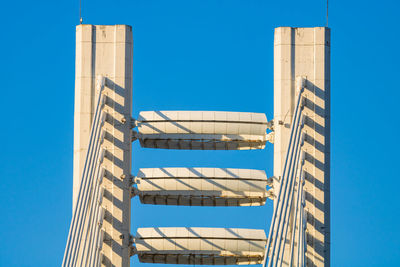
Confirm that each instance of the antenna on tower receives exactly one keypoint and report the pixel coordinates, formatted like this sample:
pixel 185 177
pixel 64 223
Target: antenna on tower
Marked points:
pixel 80 12
pixel 327 12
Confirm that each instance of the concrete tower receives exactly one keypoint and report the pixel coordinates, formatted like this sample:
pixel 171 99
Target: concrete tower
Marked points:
pixel 305 52
pixel 106 51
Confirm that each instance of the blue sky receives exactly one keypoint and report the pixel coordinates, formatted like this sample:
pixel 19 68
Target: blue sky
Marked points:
pixel 199 55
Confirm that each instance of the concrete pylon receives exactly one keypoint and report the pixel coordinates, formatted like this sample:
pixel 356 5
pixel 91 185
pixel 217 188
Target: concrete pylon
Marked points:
pixel 106 51
pixel 305 52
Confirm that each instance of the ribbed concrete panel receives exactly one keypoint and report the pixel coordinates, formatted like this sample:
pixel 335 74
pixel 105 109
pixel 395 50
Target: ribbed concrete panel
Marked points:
pixel 202 130
pixel 199 246
pixel 202 186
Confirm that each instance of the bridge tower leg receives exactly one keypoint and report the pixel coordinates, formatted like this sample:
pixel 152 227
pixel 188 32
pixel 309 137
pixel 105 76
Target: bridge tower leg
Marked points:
pixel 306 52
pixel 106 51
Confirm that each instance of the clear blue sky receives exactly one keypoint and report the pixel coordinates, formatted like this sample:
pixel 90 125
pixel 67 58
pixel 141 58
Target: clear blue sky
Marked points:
pixel 199 55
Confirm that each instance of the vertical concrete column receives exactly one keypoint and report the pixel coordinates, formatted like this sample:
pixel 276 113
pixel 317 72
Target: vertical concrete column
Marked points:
pixel 84 101
pixel 107 51
pixel 306 52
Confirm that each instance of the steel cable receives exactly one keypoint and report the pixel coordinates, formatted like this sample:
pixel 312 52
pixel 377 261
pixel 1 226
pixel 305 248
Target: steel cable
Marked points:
pixel 75 232
pixel 283 185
